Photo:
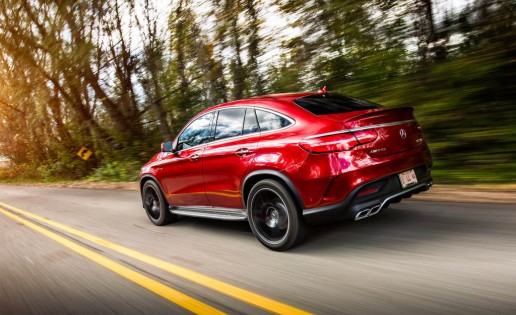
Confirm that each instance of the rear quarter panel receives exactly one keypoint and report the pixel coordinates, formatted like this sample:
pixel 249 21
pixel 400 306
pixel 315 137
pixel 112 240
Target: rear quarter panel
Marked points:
pixel 280 151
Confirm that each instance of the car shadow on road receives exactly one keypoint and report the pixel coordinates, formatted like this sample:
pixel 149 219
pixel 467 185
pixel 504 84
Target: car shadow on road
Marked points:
pixel 215 226
pixel 401 225
pixel 405 225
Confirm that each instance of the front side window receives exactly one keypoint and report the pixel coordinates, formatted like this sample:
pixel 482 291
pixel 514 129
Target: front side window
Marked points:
pixel 269 121
pixel 229 123
pixel 198 132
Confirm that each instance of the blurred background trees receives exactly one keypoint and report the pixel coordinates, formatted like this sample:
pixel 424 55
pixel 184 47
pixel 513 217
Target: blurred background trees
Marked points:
pixel 119 76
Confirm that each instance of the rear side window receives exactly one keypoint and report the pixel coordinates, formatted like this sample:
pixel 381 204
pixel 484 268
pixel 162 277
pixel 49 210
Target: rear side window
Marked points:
pixel 250 122
pixel 269 121
pixel 327 104
pixel 198 132
pixel 229 123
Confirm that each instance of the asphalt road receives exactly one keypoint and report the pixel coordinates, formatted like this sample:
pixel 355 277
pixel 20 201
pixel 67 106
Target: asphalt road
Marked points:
pixel 414 258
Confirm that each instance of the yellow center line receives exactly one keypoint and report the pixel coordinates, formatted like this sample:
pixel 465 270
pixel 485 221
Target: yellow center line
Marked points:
pixel 246 296
pixel 160 289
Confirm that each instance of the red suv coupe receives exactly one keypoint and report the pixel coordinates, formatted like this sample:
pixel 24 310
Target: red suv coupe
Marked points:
pixel 285 161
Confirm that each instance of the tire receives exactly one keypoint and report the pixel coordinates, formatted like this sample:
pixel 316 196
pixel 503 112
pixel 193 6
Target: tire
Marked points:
pixel 274 216
pixel 155 204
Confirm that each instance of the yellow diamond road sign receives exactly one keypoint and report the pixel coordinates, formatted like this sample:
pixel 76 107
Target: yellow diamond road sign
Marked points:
pixel 84 153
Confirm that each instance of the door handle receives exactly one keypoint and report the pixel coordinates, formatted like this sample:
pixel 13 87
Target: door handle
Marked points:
pixel 194 157
pixel 242 152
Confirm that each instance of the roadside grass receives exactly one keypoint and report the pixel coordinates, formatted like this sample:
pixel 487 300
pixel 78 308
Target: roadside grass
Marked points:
pixel 441 179
pixel 495 174
pixel 128 171
pixel 117 171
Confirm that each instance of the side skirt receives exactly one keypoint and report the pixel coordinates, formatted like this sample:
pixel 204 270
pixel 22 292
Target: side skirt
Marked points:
pixel 210 213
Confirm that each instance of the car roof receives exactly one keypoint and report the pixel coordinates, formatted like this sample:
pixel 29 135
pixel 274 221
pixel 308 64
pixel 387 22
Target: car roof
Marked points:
pixel 283 96
pixel 263 100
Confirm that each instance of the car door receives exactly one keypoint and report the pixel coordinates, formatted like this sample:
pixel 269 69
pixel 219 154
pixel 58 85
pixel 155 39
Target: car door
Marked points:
pixel 182 170
pixel 226 159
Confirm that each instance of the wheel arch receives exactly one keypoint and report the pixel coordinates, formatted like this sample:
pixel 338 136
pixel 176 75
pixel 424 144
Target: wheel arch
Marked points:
pixel 254 177
pixel 145 178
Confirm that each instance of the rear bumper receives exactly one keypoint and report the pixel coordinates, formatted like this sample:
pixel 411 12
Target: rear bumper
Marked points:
pixel 357 206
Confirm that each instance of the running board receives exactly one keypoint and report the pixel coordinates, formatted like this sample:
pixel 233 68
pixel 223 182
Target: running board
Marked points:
pixel 211 213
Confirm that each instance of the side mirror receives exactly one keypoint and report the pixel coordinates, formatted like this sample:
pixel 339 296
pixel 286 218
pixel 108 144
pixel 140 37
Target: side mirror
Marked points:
pixel 167 146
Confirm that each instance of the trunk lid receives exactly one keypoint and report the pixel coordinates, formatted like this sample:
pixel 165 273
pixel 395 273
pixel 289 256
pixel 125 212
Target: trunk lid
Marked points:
pixel 397 129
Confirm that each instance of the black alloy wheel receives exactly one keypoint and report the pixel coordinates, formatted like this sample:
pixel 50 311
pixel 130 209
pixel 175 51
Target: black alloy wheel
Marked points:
pixel 155 204
pixel 274 217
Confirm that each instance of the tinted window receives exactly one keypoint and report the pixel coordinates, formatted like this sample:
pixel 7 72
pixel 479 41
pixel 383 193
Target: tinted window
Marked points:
pixel 250 122
pixel 198 132
pixel 229 123
pixel 326 104
pixel 269 121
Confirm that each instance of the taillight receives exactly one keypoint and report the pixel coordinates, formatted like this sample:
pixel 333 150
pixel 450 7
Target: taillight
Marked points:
pixel 334 143
pixel 338 142
pixel 366 136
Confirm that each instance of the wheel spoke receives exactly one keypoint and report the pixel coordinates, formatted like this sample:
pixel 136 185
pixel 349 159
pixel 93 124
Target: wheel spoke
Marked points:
pixel 152 204
pixel 270 216
pixel 263 200
pixel 282 215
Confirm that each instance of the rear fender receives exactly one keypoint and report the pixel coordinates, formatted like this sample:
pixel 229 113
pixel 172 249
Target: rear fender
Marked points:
pixel 252 178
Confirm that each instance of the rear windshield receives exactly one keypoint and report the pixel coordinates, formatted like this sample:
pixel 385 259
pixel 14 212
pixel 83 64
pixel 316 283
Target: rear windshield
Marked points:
pixel 327 104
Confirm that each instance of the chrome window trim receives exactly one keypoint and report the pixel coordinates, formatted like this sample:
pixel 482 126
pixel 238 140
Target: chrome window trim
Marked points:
pixel 217 119
pixel 230 138
pixel 291 120
pixel 401 122
pixel 216 110
pixel 176 140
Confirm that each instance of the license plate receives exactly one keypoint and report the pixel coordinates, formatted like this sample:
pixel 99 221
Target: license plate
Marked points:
pixel 407 178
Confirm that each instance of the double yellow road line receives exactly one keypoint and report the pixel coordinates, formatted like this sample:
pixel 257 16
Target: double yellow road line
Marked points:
pixel 160 289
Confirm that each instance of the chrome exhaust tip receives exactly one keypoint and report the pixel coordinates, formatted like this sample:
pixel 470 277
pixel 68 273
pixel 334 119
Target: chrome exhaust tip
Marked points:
pixel 375 210
pixel 368 212
pixel 362 214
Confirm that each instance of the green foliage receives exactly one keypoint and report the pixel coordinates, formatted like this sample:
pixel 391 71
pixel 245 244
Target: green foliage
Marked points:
pixel 117 171
pixel 80 79
pixel 44 172
pixel 464 93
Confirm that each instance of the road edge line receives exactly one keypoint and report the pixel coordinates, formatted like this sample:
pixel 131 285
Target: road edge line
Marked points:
pixel 237 293
pixel 172 295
